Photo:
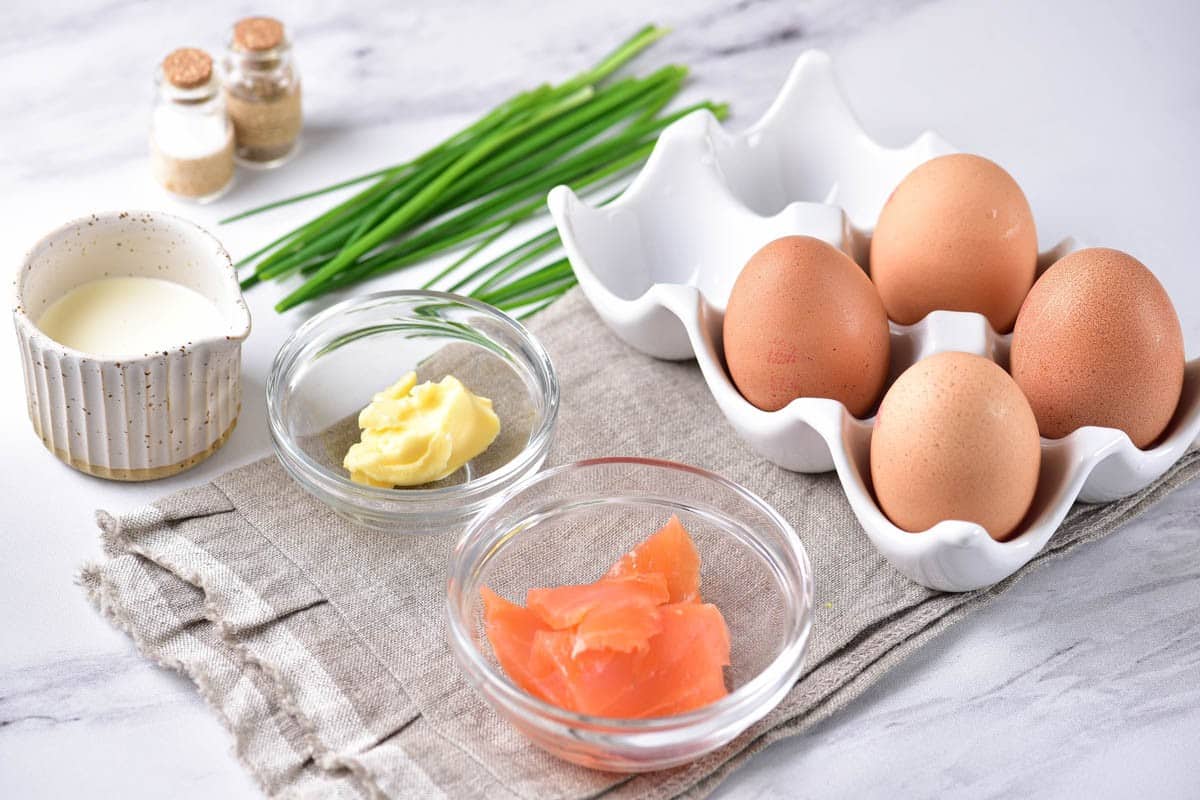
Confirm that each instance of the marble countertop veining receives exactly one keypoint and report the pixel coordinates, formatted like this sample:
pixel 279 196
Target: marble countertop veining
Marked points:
pixel 1084 680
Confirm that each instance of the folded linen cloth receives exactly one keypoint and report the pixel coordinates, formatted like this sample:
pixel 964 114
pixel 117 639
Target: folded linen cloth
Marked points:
pixel 321 646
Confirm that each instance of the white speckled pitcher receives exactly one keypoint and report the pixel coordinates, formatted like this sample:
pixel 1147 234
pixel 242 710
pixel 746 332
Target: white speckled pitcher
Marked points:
pixel 145 415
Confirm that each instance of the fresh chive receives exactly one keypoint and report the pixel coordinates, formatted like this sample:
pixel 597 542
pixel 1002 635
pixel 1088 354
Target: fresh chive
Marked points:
pixel 516 257
pixel 546 291
pixel 524 315
pixel 467 256
pixel 624 53
pixel 477 184
pixel 396 221
pixel 526 283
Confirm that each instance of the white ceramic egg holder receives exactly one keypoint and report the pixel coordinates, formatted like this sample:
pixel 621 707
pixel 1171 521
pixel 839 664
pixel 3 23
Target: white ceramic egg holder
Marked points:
pixel 659 262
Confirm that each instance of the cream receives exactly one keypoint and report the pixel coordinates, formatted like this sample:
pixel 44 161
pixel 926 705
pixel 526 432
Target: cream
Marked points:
pixel 124 316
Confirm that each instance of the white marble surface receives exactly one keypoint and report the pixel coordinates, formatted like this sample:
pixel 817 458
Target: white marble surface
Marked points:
pixel 1082 681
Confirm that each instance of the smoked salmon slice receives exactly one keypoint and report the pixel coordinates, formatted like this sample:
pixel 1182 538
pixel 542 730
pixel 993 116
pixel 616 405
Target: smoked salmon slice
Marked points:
pixel 511 630
pixel 618 613
pixel 671 553
pixel 639 642
pixel 566 606
pixel 687 661
pixel 681 670
pixel 624 627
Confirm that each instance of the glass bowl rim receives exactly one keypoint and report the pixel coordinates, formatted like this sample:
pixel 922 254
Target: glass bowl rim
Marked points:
pixel 534 451
pixel 741 707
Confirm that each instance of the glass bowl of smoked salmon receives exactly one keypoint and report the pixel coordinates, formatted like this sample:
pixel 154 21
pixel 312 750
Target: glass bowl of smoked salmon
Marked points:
pixel 629 614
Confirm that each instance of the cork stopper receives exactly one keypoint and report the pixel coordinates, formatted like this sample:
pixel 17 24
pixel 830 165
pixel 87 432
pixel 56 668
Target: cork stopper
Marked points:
pixel 187 68
pixel 256 34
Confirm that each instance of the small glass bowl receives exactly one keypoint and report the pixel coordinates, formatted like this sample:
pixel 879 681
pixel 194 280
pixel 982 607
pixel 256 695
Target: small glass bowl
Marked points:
pixel 565 526
pixel 330 368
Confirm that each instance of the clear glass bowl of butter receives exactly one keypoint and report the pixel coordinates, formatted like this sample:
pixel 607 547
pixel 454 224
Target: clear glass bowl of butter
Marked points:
pixel 342 360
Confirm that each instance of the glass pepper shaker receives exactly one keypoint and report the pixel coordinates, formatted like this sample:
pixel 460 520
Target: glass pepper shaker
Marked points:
pixel 262 90
pixel 191 139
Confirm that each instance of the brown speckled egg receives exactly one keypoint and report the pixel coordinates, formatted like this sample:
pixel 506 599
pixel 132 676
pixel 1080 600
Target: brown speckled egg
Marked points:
pixel 1099 343
pixel 956 234
pixel 955 439
pixel 803 320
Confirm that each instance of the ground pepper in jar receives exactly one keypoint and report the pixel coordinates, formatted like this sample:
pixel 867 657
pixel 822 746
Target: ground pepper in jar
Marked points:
pixel 262 91
pixel 191 139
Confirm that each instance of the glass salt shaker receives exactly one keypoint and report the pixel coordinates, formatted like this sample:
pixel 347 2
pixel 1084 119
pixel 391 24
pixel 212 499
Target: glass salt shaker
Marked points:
pixel 191 138
pixel 262 91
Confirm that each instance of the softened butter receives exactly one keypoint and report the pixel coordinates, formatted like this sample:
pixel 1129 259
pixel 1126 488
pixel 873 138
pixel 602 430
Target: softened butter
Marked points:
pixel 413 435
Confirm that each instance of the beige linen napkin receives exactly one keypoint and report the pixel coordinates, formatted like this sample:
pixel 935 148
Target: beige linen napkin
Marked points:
pixel 321 646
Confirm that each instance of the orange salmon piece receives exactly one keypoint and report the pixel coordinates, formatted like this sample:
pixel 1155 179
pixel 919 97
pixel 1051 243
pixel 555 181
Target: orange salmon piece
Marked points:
pixel 670 553
pixel 685 667
pixel 681 670
pixel 595 680
pixel 637 643
pixel 566 606
pixel 623 627
pixel 511 630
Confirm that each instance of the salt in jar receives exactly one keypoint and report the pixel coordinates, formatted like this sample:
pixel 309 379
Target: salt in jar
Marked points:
pixel 191 138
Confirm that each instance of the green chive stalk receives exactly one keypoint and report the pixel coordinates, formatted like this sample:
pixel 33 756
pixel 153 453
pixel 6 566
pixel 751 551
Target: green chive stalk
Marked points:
pixel 477 184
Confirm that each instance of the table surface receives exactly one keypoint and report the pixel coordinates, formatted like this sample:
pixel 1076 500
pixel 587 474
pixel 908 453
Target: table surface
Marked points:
pixel 1082 680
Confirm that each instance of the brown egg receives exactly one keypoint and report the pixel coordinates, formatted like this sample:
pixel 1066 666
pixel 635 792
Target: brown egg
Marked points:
pixel 1099 343
pixel 803 320
pixel 955 439
pixel 956 234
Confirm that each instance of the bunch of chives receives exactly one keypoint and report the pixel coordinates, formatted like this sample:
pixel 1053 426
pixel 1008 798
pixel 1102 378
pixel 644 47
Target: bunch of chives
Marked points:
pixel 479 183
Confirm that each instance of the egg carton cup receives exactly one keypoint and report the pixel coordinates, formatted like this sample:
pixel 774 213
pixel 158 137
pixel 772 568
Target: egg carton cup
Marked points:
pixel 658 265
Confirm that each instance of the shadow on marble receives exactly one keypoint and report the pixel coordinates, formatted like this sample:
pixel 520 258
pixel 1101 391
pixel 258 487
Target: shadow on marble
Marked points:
pixel 315 140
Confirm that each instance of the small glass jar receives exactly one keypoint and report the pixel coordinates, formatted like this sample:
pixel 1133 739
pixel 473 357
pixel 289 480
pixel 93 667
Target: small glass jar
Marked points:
pixel 262 91
pixel 191 139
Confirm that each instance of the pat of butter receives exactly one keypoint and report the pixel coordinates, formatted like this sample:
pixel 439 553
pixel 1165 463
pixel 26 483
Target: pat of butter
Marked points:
pixel 412 435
